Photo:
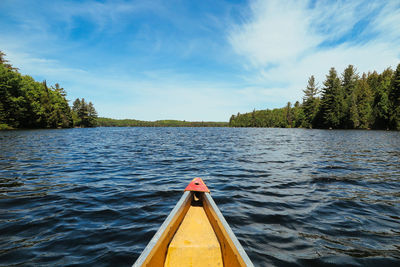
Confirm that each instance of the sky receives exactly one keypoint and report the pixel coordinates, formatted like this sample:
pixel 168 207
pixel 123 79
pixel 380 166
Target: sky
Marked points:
pixel 195 60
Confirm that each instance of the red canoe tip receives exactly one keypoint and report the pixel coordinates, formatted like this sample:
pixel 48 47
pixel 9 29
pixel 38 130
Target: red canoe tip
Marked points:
pixel 197 185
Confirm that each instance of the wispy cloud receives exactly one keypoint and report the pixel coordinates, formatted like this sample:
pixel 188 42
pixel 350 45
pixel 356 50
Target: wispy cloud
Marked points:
pixel 287 41
pixel 195 60
pixel 149 95
pixel 387 22
pixel 274 32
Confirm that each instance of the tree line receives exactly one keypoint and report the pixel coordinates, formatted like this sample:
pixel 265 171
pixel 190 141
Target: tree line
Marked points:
pixel 26 103
pixel 346 101
pixel 107 122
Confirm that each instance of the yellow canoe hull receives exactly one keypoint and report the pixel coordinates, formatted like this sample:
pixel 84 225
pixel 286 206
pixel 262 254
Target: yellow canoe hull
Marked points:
pixel 194 234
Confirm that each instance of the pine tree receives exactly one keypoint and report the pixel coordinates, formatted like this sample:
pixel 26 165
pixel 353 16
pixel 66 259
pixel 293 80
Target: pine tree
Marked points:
pixel 364 102
pixel 354 120
pixel 394 99
pixel 310 103
pixel 5 62
pixel 298 114
pixel 76 105
pixel 60 90
pixel 26 103
pixel 92 114
pixel 380 85
pixel 369 101
pixel 332 101
pixel 289 115
pixel 232 121
pixel 349 81
pixel 84 115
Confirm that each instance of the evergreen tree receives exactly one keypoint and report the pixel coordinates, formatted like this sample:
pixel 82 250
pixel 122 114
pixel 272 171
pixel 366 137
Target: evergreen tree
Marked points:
pixel 232 121
pixel 60 90
pixel 310 102
pixel 349 81
pixel 372 101
pixel 394 99
pixel 332 101
pixel 76 105
pixel 364 103
pixel 289 115
pixel 380 84
pixel 354 119
pixel 84 115
pixel 26 103
pixel 5 62
pixel 298 115
pixel 253 121
pixel 92 114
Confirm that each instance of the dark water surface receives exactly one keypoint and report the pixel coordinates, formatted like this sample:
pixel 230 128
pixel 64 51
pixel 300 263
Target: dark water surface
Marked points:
pixel 292 196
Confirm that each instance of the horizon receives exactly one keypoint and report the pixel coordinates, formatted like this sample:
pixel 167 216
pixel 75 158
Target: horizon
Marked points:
pixel 163 120
pixel 195 61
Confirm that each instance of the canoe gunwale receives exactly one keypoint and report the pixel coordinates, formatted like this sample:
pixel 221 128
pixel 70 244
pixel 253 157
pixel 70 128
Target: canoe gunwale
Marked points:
pixel 151 246
pixel 228 230
pixel 234 253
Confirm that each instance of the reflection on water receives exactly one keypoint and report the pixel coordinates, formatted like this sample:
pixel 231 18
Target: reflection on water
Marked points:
pixel 292 196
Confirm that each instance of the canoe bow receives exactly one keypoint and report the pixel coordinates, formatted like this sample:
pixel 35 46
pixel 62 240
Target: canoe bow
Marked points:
pixel 195 233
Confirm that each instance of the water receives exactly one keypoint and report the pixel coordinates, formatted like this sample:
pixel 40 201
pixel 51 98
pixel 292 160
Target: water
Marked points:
pixel 292 196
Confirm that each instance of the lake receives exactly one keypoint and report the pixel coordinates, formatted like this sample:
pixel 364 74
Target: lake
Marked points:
pixel 293 197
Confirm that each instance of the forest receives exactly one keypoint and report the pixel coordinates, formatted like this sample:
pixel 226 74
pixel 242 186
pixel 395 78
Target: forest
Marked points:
pixel 107 122
pixel 26 103
pixel 346 101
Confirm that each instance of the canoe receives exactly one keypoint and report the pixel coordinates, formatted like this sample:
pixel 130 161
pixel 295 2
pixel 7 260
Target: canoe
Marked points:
pixel 194 234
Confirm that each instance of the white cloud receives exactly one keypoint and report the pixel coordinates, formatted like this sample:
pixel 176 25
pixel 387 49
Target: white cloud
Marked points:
pixel 386 24
pixel 275 32
pixel 285 41
pixel 37 66
pixel 275 48
pixel 158 94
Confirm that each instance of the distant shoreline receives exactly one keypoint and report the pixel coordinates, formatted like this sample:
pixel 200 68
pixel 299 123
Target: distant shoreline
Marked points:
pixel 108 122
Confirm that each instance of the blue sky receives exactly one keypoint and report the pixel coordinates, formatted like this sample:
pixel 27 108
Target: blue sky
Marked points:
pixel 195 60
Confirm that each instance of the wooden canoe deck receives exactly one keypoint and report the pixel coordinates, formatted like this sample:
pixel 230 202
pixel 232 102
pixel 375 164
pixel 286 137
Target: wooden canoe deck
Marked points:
pixel 195 242
pixel 195 233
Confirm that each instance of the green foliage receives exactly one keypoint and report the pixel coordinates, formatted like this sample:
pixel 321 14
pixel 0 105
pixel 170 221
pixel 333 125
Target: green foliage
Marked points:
pixel 349 105
pixel 5 127
pixel 4 62
pixel 310 103
pixel 380 85
pixel 264 118
pixel 299 118
pixel 347 102
pixel 364 101
pixel 332 101
pixel 84 115
pixel 26 103
pixel 394 100
pixel 107 122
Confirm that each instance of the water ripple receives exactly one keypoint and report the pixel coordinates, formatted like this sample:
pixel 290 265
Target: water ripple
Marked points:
pixel 293 197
